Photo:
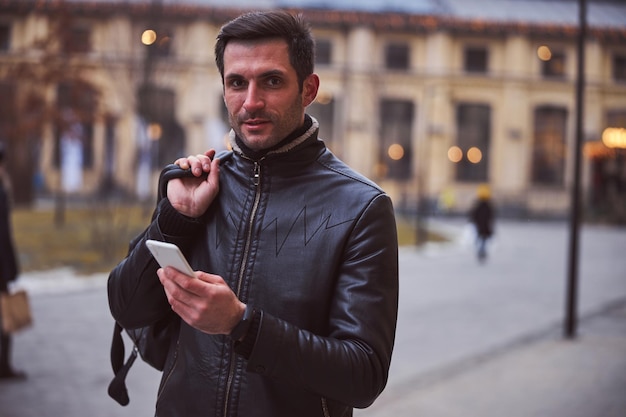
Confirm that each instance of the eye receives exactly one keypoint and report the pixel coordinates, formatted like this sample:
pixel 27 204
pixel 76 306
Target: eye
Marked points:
pixel 236 83
pixel 274 81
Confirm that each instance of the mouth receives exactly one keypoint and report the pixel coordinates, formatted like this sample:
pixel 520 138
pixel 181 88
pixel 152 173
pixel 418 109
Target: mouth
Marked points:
pixel 255 123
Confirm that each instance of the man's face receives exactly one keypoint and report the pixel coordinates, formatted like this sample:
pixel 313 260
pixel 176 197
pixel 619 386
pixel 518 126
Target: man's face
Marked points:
pixel 261 92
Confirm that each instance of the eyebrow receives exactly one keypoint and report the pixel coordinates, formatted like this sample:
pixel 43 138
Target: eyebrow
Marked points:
pixel 266 74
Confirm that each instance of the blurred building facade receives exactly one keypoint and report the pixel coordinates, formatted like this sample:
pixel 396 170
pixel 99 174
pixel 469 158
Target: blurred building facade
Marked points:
pixel 429 98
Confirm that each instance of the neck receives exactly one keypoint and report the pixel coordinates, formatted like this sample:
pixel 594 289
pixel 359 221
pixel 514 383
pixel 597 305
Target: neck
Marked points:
pixel 256 155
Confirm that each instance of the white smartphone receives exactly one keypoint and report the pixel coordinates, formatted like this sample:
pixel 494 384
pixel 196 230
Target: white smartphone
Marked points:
pixel 168 254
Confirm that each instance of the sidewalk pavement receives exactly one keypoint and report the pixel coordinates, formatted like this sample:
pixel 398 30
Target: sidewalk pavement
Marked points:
pixel 487 340
pixel 548 376
pixel 473 340
pixel 66 354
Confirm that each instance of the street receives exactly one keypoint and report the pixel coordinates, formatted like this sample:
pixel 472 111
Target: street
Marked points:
pixel 460 322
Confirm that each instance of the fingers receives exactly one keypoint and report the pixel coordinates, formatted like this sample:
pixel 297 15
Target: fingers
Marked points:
pixel 197 163
pixel 210 278
pixel 178 287
pixel 206 302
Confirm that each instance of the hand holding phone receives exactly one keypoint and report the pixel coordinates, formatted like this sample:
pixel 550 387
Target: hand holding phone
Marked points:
pixel 168 254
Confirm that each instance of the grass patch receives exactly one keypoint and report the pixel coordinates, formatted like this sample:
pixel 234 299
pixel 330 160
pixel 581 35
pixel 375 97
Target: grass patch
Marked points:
pixel 91 239
pixel 410 235
pixel 94 239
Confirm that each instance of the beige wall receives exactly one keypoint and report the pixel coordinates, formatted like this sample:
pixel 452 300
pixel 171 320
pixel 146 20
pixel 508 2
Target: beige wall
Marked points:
pixel 357 80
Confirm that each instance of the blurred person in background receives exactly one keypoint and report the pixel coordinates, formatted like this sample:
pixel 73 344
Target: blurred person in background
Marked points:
pixel 482 216
pixel 8 266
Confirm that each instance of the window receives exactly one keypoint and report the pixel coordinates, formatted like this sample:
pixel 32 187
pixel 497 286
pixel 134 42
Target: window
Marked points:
pixel 395 152
pixel 77 40
pixel 475 59
pixel 548 159
pixel 74 131
pixel 607 194
pixel 5 37
pixel 473 124
pixel 397 56
pixel 323 52
pixel 619 68
pixel 554 65
pixel 168 137
pixel 616 118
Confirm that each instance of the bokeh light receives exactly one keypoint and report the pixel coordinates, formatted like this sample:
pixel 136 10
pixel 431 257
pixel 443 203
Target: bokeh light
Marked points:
pixel 148 37
pixel 544 53
pixel 474 155
pixel 614 137
pixel 455 154
pixel 395 152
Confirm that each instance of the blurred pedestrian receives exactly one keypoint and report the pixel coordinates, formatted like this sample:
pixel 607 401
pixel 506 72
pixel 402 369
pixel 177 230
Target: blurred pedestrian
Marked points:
pixel 482 217
pixel 8 266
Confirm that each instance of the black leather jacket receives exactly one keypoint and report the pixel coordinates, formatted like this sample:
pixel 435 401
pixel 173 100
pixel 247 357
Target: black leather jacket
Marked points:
pixel 309 243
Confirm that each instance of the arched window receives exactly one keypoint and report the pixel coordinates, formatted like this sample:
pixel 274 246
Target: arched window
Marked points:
pixel 548 159
pixel 473 126
pixel 395 150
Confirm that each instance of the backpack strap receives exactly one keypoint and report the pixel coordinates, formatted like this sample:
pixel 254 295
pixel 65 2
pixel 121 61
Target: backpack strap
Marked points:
pixel 172 171
pixel 117 388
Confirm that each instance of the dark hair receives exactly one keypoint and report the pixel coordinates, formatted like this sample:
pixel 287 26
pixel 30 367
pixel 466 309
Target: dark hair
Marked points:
pixel 271 24
pixel 1 152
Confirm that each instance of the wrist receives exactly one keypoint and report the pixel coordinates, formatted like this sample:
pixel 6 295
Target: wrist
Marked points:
pixel 240 330
pixel 172 222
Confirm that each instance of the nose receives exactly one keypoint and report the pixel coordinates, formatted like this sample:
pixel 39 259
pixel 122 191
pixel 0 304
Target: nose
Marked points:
pixel 254 99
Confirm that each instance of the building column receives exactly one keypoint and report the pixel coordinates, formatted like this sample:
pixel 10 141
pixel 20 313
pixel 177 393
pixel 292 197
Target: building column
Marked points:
pixel 361 102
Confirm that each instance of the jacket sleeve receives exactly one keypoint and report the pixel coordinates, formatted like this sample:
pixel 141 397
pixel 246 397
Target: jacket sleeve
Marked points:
pixel 351 363
pixel 136 296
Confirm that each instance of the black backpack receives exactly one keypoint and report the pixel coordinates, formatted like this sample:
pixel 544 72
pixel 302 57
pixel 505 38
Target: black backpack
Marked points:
pixel 151 343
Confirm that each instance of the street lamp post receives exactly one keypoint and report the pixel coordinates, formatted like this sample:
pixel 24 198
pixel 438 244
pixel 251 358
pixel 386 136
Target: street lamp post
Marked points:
pixel 572 278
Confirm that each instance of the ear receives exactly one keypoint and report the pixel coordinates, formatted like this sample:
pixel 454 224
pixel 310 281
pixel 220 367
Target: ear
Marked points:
pixel 309 89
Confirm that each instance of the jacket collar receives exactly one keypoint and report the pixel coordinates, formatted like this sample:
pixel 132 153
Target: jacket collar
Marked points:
pixel 283 147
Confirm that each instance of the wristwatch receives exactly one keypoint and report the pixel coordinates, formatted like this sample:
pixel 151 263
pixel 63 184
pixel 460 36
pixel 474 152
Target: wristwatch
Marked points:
pixel 241 329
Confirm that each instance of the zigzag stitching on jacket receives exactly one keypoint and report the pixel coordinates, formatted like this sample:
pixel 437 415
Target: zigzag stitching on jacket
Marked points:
pixel 302 214
pixel 218 230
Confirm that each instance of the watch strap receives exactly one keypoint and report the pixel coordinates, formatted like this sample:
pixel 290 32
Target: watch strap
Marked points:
pixel 241 329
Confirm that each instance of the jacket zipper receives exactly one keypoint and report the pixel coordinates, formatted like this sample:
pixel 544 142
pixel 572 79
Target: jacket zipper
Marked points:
pixel 325 407
pixel 169 373
pixel 256 179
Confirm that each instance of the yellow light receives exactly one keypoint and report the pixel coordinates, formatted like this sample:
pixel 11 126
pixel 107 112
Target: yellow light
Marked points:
pixel 154 131
pixel 395 152
pixel 544 53
pixel 455 154
pixel 597 149
pixel 614 137
pixel 148 37
pixel 474 155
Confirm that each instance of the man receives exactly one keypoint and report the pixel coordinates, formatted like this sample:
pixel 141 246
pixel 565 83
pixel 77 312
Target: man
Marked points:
pixel 292 310
pixel 8 268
